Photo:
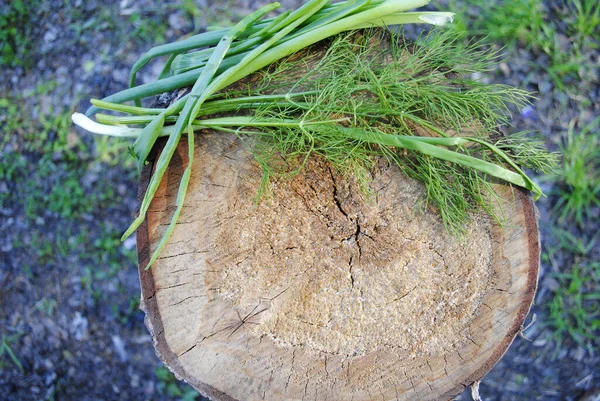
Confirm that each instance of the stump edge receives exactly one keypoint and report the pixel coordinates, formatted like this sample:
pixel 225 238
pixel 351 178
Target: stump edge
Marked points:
pixel 152 319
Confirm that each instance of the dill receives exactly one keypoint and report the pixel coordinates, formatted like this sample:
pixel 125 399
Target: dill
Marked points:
pixel 412 93
pixel 414 104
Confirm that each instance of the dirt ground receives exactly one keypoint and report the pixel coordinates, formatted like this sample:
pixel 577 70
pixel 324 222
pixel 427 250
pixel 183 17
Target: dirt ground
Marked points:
pixel 70 325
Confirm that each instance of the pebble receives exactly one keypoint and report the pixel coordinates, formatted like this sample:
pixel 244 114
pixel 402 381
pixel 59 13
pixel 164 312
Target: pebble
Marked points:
pixel 50 378
pixel 578 354
pixel 135 381
pixel 178 22
pixel 6 244
pixel 545 87
pixel 119 347
pixel 50 35
pixel 149 388
pixel 129 243
pixel 551 283
pixel 121 75
pixel 79 327
pixel 54 330
pixel 504 68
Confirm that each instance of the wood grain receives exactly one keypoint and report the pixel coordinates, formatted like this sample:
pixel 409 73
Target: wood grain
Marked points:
pixel 202 337
pixel 289 298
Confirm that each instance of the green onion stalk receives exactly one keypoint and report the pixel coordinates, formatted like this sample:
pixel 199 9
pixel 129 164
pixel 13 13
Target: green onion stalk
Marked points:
pixel 344 133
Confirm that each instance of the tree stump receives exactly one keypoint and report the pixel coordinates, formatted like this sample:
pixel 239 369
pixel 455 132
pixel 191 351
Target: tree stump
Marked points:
pixel 320 292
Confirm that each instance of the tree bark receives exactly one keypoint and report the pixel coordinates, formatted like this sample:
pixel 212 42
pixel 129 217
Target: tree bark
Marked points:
pixel 322 291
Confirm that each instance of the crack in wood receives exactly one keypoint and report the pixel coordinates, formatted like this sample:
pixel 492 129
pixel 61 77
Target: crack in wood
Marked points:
pixel 180 254
pixel 187 350
pixel 185 299
pixel 172 286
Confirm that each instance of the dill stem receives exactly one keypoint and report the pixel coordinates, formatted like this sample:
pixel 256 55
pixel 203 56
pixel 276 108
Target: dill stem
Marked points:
pixel 424 145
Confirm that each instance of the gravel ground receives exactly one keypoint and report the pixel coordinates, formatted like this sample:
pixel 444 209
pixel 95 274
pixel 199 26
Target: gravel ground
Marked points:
pixel 69 289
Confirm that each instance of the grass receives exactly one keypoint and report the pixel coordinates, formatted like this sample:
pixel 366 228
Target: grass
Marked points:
pixel 53 178
pixel 7 353
pixel 147 30
pixel 510 22
pixel 579 183
pixel 574 310
pixel 169 385
pixel 57 185
pixel 17 32
pixel 191 10
pixel 542 29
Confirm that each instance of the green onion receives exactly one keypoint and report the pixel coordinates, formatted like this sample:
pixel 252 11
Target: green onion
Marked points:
pixel 329 116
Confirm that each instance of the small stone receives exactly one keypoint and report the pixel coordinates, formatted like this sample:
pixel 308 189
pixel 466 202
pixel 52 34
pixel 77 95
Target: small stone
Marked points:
pixel 149 388
pixel 177 21
pixel 545 86
pixel 62 71
pixel 50 35
pixel 135 381
pixel 48 364
pixel 120 75
pixel 578 354
pixel 50 379
pixel 79 327
pixel 54 331
pixel 551 283
pixel 119 347
pixel 121 189
pixel 129 243
pixel 89 179
pixel 6 245
pixel 528 111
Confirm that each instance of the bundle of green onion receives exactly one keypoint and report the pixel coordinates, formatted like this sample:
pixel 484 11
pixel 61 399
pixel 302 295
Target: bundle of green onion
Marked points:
pixel 403 94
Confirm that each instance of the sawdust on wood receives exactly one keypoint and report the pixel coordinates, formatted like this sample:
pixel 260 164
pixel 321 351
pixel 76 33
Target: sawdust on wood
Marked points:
pixel 328 269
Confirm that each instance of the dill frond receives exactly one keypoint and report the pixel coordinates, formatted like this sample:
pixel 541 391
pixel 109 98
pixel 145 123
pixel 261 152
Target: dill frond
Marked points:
pixel 404 89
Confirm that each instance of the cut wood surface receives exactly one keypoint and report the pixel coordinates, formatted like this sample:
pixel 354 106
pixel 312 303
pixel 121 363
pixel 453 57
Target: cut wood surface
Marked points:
pixel 322 292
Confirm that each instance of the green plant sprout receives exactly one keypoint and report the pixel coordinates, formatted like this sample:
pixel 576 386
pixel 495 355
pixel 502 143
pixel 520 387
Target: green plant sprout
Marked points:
pixel 574 310
pixel 5 349
pixel 370 110
pixel 580 176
